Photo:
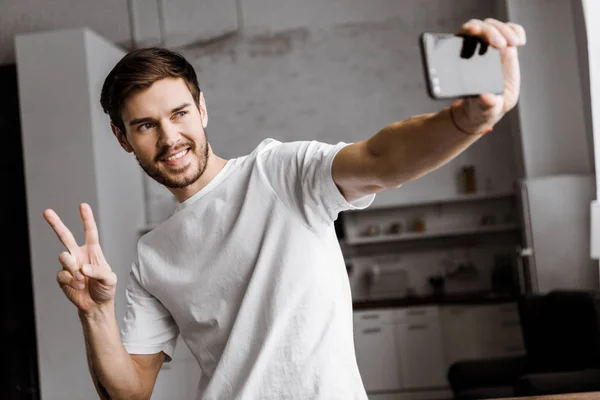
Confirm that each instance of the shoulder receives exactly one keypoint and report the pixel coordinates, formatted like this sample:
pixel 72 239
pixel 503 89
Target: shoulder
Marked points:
pixel 301 149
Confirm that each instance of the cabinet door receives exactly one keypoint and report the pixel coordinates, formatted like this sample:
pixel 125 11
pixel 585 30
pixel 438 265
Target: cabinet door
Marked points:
pixel 499 331
pixel 459 333
pixel 421 355
pixel 376 355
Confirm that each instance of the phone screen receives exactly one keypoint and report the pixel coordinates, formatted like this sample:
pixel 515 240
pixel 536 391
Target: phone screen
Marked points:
pixel 460 66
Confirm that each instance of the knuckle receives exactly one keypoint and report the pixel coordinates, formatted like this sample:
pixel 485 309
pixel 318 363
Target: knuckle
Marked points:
pixel 62 277
pixel 63 257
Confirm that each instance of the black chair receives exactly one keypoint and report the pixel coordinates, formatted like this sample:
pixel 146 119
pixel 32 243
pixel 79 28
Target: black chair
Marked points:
pixel 561 333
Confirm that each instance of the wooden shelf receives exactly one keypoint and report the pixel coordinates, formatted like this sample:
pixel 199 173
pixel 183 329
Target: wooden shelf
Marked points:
pixel 430 235
pixel 461 198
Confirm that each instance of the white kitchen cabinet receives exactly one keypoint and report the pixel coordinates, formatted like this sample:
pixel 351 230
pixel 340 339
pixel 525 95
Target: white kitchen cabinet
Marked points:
pixel 444 394
pixel 459 333
pixel 386 396
pixel 481 331
pixel 499 331
pixel 419 344
pixel 376 352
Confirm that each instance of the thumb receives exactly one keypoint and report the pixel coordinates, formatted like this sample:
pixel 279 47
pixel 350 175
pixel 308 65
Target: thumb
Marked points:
pixel 103 275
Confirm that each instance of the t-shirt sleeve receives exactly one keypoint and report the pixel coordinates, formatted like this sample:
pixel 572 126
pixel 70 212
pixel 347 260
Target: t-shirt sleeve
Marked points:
pixel 300 175
pixel 148 327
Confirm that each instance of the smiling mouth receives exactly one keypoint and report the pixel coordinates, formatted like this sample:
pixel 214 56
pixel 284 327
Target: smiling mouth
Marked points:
pixel 178 159
pixel 176 155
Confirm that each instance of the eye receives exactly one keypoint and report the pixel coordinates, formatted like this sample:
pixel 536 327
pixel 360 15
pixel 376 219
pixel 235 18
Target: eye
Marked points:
pixel 180 114
pixel 145 127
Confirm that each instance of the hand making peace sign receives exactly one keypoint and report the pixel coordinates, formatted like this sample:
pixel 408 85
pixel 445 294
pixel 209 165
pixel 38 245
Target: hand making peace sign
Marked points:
pixel 86 278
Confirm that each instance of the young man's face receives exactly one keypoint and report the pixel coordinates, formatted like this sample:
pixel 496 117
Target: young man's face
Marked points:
pixel 165 130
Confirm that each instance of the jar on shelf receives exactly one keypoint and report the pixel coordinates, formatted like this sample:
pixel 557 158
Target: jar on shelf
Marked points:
pixel 468 179
pixel 419 225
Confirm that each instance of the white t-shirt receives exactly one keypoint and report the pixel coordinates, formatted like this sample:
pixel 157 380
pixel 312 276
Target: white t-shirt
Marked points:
pixel 250 272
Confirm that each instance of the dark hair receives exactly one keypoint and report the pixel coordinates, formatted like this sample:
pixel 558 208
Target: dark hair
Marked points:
pixel 138 70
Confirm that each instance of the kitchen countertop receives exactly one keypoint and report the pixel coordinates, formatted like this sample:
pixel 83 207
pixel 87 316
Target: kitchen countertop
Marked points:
pixel 570 396
pixel 448 299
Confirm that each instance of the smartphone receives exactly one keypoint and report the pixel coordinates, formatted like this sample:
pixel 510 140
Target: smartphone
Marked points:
pixel 460 66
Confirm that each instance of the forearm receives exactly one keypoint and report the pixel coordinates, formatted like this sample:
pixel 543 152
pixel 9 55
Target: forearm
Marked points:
pixel 113 371
pixel 411 148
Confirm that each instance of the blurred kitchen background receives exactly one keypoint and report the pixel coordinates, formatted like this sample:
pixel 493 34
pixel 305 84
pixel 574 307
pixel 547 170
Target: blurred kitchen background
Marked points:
pixel 436 267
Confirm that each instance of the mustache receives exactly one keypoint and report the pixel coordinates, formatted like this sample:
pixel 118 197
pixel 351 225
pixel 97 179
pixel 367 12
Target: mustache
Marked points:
pixel 175 149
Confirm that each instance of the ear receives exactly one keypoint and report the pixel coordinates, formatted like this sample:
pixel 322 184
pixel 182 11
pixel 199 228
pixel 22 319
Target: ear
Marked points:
pixel 202 108
pixel 121 138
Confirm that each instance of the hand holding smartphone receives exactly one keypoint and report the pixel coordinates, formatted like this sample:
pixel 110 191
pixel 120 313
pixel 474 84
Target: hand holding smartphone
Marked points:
pixel 460 66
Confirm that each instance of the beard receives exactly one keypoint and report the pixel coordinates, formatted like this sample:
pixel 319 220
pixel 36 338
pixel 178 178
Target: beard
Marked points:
pixel 182 177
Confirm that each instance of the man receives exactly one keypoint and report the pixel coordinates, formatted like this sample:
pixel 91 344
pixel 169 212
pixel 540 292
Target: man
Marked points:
pixel 248 270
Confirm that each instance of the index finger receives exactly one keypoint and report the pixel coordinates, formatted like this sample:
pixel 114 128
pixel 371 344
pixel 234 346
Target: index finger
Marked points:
pixel 63 233
pixel 89 224
pixel 484 31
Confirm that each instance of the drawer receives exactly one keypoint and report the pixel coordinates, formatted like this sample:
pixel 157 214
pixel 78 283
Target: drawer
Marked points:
pixel 502 349
pixel 498 311
pixel 373 317
pixel 503 342
pixel 417 314
pixel 500 326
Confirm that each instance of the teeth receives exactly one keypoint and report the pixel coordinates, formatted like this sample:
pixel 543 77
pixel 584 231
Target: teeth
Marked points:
pixel 176 156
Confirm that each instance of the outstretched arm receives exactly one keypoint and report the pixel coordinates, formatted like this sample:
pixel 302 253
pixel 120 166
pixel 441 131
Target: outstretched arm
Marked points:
pixel 408 149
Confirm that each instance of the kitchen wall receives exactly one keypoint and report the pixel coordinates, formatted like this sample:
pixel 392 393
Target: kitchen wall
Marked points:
pixel 340 70
pixel 554 112
pixel 590 10
pixel 109 18
pixel 332 71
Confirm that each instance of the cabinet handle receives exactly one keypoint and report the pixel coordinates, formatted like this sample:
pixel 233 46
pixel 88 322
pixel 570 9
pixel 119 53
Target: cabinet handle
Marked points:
pixel 371 330
pixel 417 327
pixel 417 312
pixel 370 316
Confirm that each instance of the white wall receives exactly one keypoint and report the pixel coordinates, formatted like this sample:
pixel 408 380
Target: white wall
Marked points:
pixel 555 138
pixel 70 157
pixel 338 70
pixel 592 23
pixel 591 10
pixel 110 18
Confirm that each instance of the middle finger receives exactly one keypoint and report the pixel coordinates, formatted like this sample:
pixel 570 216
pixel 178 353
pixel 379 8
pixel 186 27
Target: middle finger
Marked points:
pixel 504 30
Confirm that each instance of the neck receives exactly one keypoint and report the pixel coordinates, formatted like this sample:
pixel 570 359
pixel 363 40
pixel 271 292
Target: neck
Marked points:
pixel 213 167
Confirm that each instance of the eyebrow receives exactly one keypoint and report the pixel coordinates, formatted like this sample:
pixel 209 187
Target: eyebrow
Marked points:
pixel 138 121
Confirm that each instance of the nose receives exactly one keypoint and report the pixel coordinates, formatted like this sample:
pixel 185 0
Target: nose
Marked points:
pixel 169 135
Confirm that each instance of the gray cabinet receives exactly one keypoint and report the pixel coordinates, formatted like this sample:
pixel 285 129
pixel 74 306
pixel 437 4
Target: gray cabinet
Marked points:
pixel 376 352
pixel 404 353
pixel 481 331
pixel 399 349
pixel 419 342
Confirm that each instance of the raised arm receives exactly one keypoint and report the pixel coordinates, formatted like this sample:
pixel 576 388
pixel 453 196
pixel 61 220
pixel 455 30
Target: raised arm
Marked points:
pixel 406 150
pixel 89 283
